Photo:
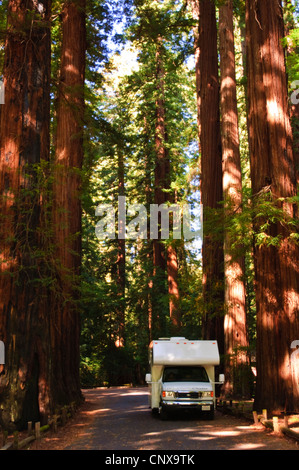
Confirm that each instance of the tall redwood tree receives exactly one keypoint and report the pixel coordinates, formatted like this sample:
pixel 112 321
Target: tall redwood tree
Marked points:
pixel 67 199
pixel 235 328
pixel 211 172
pixel 164 259
pixel 25 385
pixel 273 175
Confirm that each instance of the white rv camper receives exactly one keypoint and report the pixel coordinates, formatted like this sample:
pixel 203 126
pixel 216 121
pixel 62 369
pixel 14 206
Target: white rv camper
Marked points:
pixel 182 375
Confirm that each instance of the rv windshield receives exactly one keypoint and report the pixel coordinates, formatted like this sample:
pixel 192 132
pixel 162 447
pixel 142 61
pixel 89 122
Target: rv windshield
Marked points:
pixel 185 374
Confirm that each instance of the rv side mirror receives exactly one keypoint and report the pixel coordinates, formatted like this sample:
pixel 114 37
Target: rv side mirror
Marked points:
pixel 221 378
pixel 148 378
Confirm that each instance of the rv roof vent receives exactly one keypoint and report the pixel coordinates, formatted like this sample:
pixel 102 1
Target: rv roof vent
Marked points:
pixel 177 338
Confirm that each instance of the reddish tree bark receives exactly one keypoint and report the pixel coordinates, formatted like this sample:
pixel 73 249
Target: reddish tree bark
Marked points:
pixel 273 174
pixel 235 329
pixel 26 386
pixel 165 260
pixel 173 289
pixel 161 152
pixel 211 172
pixel 66 200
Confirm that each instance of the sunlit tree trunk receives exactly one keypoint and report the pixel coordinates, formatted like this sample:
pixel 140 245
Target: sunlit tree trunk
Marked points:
pixel 173 289
pixel 211 172
pixel 66 199
pixel 172 263
pixel 273 174
pixel 26 385
pixel 235 331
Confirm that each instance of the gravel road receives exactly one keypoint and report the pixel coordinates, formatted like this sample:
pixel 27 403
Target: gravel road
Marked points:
pixel 119 419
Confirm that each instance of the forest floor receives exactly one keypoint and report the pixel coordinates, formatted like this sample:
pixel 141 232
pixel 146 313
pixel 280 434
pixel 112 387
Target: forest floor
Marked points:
pixel 245 409
pixel 65 435
pixel 111 419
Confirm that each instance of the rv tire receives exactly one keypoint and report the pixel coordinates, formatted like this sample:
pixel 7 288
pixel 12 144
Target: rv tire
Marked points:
pixel 163 414
pixel 209 415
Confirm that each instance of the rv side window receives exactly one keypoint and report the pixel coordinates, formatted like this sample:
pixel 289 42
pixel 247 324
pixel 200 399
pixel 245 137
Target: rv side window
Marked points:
pixel 185 374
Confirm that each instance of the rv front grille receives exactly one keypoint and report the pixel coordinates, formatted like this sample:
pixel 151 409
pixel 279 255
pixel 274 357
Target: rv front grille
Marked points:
pixel 187 395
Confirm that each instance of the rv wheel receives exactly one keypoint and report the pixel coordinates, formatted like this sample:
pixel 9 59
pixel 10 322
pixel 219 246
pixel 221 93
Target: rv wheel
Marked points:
pixel 163 414
pixel 209 415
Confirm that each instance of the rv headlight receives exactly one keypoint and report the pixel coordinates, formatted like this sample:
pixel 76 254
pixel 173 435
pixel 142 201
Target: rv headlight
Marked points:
pixel 166 394
pixel 207 394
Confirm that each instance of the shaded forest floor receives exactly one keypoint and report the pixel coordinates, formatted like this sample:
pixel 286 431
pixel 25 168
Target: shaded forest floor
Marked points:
pixel 245 409
pixel 72 430
pixel 78 425
pixel 75 427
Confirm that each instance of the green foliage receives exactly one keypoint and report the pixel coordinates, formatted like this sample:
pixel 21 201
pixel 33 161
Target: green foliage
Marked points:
pixel 119 124
pixel 123 112
pixel 3 10
pixel 291 42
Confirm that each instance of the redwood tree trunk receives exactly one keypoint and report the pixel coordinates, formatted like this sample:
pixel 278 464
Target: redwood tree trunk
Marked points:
pixel 235 330
pixel 149 242
pixel 172 264
pixel 66 200
pixel 273 173
pixel 173 290
pixel 165 260
pixel 25 386
pixel 195 9
pixel 211 172
pixel 160 175
pixel 161 153
pixel 121 257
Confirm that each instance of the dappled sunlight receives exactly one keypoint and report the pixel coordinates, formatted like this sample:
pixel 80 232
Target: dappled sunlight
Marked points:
pixel 224 433
pixel 119 418
pixel 249 446
pixel 244 428
pixel 71 69
pixel 132 394
pixel 151 444
pixel 187 429
pixel 202 438
pixel 99 411
pixel 70 65
pixel 166 431
pixel 275 111
pixel 212 434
